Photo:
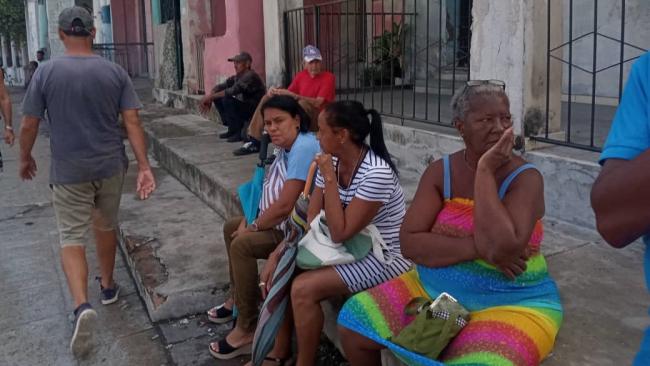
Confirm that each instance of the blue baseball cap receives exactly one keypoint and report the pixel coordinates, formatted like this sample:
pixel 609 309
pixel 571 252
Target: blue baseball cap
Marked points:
pixel 311 53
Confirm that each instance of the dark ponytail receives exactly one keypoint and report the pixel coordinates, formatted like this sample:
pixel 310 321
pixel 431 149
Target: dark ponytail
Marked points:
pixel 377 143
pixel 351 115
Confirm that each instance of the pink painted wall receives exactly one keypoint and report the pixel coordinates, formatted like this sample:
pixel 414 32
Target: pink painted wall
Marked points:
pixel 244 32
pixel 126 21
pixel 126 17
pixel 196 26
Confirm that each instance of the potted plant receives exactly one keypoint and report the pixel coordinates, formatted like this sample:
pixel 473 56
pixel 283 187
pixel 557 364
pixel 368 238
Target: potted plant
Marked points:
pixel 386 64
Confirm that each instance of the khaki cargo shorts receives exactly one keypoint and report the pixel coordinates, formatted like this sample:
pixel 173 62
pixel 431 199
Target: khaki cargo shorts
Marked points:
pixel 76 206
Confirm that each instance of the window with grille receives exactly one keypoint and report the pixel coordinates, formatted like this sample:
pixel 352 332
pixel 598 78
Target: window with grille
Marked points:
pixel 168 10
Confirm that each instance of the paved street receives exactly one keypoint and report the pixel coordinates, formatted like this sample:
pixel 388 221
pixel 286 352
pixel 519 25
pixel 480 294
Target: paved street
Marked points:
pixel 35 321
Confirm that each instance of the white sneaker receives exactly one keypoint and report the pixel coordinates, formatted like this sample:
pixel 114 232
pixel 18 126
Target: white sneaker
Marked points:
pixel 84 325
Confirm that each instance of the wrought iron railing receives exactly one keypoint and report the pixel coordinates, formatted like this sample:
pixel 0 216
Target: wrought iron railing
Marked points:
pixel 136 58
pixel 404 58
pixel 586 69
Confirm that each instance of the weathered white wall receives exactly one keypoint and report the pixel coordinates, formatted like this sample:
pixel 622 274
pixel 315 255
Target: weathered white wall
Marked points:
pixel 54 8
pixel 508 43
pixel 31 22
pixel 104 30
pixel 637 32
pixel 274 38
pixel 498 50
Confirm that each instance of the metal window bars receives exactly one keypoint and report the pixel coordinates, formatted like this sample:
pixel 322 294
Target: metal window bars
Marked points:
pixel 404 58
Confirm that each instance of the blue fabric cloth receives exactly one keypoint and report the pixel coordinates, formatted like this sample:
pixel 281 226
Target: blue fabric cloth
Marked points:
pixel 250 194
pixel 630 136
pixel 302 153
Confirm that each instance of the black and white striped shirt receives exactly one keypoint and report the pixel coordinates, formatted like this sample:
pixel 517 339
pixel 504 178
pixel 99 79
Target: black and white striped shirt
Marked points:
pixel 375 181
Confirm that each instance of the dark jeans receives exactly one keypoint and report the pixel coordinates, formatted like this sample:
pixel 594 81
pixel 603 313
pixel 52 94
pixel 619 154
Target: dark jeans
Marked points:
pixel 234 114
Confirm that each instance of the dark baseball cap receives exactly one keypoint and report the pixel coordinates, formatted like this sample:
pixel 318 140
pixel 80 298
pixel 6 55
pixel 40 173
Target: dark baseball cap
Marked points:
pixel 76 21
pixel 243 56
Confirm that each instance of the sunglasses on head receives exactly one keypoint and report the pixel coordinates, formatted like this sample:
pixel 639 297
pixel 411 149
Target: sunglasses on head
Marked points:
pixel 486 82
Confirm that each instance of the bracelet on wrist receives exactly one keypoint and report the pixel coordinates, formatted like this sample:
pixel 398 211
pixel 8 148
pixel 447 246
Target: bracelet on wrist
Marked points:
pixel 9 128
pixel 254 226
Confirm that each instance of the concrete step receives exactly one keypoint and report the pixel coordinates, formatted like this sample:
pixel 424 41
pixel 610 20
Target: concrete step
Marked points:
pixel 188 146
pixel 172 243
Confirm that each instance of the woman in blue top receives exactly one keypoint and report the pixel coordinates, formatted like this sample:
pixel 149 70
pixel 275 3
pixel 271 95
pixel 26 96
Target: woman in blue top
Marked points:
pixel 287 124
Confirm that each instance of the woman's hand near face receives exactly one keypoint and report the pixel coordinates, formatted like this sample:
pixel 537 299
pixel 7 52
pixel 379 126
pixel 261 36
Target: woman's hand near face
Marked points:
pixel 499 154
pixel 326 167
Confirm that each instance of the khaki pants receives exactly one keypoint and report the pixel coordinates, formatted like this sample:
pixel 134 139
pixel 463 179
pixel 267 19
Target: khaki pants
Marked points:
pixel 256 124
pixel 75 206
pixel 243 253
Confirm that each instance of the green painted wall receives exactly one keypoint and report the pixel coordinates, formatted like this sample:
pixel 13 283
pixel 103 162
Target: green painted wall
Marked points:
pixel 155 11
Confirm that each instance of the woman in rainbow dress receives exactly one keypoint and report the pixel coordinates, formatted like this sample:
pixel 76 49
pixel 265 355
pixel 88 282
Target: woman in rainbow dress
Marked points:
pixel 474 231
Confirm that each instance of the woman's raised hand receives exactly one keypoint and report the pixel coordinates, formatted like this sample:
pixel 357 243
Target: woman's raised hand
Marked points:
pixel 326 167
pixel 500 153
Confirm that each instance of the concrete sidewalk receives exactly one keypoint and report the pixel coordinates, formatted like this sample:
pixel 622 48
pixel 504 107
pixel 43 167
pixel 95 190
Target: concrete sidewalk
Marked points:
pixel 602 289
pixel 36 308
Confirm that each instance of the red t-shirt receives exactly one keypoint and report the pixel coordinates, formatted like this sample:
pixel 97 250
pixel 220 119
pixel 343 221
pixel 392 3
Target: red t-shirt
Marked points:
pixel 320 86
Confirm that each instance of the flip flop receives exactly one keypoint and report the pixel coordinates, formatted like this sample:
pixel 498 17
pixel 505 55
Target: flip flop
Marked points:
pixel 223 315
pixel 227 352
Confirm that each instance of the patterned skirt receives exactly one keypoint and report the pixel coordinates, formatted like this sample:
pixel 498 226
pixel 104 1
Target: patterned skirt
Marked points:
pixel 496 335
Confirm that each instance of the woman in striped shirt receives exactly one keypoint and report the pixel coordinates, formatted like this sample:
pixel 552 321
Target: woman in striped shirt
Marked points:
pixel 287 124
pixel 356 185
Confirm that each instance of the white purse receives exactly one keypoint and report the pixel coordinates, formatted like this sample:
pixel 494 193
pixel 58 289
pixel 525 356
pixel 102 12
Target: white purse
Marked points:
pixel 316 249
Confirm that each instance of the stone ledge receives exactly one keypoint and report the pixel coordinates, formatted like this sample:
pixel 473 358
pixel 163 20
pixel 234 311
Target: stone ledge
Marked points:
pixel 165 240
pixel 180 99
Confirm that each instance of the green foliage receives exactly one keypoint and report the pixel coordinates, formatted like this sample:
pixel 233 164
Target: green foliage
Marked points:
pixel 386 51
pixel 12 19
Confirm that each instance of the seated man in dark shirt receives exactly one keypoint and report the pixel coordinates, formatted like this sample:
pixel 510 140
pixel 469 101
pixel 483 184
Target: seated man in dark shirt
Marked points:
pixel 236 98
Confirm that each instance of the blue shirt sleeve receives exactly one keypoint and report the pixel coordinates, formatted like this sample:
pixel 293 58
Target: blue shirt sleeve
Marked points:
pixel 629 135
pixel 301 155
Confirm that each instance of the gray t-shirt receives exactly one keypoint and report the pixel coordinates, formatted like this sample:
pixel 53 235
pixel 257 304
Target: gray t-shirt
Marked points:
pixel 83 96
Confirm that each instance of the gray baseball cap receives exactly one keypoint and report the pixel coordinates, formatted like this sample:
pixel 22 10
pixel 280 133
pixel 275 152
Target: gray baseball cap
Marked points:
pixel 76 21
pixel 243 56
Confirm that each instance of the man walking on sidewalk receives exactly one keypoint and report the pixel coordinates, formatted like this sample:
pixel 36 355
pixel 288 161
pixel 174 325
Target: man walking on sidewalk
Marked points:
pixel 5 108
pixel 84 95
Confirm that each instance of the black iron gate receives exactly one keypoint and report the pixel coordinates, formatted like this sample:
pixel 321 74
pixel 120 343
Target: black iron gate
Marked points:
pixel 588 58
pixel 404 58
pixel 135 58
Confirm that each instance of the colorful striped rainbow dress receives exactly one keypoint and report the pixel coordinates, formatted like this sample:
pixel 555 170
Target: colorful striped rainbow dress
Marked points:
pixel 513 322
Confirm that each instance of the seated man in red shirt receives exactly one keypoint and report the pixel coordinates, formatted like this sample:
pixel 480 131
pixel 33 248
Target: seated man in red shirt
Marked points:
pixel 312 87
